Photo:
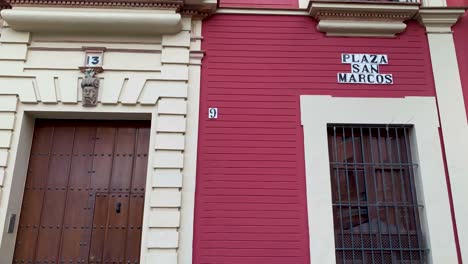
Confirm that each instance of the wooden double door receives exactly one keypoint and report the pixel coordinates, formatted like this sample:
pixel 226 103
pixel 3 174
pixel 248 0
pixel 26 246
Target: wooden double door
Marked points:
pixel 84 194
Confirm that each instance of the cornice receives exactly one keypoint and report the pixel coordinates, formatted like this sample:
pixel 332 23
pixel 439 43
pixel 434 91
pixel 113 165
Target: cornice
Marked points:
pixel 97 21
pixel 362 19
pixel 439 20
pixel 172 4
pixel 194 8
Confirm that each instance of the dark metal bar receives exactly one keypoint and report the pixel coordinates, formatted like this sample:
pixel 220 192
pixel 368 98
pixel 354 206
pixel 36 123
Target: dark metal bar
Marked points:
pixel 372 196
pixel 356 179
pixel 337 177
pixel 376 188
pixel 394 198
pixel 414 197
pixel 402 186
pixel 349 193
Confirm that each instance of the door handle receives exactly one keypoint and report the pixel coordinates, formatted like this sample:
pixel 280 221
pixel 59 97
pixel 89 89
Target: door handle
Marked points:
pixel 118 207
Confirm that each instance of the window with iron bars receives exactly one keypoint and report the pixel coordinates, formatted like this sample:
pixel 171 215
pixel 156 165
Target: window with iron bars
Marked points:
pixel 375 209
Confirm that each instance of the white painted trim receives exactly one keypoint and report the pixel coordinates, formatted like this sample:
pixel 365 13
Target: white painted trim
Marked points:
pixel 454 125
pixel 79 20
pixel 303 3
pixel 190 169
pixel 421 112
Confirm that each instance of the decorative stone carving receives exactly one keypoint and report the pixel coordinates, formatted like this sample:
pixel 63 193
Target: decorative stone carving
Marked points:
pixel 90 88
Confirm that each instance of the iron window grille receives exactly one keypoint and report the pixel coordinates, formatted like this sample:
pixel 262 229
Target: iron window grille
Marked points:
pixel 375 209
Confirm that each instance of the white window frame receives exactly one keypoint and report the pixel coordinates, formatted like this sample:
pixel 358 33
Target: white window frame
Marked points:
pixel 430 180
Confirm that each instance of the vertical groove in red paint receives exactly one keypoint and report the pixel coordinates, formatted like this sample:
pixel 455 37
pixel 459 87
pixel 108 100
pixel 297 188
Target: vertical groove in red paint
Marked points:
pixel 251 193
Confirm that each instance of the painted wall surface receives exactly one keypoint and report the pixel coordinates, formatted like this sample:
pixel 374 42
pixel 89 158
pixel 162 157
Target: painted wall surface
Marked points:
pixel 251 193
pixel 460 36
pixel 457 3
pixel 282 4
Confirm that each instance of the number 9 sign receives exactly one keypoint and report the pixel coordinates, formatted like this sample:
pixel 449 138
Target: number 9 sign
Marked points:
pixel 212 113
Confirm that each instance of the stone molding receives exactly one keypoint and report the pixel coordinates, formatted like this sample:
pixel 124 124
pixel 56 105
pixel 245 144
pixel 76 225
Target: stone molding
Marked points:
pixel 74 20
pixel 193 8
pixel 362 19
pixel 99 3
pixel 439 20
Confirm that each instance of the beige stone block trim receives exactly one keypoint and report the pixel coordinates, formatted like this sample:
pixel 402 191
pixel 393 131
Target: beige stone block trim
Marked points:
pixel 421 112
pixel 3 158
pixel 181 39
pixel 186 24
pixel 2 177
pixel 167 178
pixel 46 87
pixel 168 159
pixel 175 72
pixel 165 256
pixel 7 120
pixel 172 106
pixel 11 36
pixel 155 89
pixel 163 238
pixel 18 85
pixel 170 123
pixel 13 51
pixel 165 197
pixel 5 138
pixel 164 217
pixel 175 55
pixel 170 141
pixel 8 103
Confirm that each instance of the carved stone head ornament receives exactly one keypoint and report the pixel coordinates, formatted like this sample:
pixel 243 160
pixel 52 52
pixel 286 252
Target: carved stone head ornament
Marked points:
pixel 90 88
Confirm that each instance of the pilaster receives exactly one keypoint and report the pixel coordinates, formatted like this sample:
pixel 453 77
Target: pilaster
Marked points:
pixel 438 23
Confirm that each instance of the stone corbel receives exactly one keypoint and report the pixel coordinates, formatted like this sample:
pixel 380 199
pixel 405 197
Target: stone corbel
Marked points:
pixel 439 20
pixel 362 19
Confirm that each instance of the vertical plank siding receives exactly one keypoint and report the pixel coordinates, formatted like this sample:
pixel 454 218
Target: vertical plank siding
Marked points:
pixel 260 3
pixel 250 199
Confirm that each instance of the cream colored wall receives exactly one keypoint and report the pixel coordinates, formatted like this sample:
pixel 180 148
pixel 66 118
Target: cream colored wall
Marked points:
pixel 143 74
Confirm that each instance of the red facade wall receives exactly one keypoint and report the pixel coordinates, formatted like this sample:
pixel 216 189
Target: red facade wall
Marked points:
pixel 460 35
pixel 250 193
pixel 281 4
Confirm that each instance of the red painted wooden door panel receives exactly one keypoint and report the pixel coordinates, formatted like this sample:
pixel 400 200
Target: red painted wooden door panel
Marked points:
pixel 84 193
